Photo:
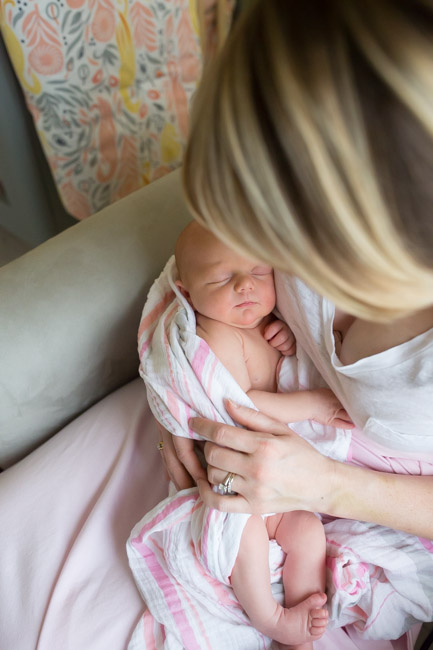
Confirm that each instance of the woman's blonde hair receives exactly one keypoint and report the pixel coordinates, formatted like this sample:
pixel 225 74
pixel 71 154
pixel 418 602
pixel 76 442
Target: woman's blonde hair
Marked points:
pixel 311 147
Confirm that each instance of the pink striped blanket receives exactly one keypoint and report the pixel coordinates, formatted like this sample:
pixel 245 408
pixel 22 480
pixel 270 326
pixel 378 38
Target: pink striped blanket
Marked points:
pixel 182 553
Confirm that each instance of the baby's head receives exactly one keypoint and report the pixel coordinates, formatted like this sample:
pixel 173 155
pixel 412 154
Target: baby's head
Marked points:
pixel 221 284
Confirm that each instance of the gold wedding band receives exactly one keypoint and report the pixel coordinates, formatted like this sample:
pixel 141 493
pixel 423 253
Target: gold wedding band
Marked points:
pixel 226 486
pixel 160 446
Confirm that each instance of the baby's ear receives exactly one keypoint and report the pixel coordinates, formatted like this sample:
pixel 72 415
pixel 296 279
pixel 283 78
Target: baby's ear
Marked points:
pixel 183 291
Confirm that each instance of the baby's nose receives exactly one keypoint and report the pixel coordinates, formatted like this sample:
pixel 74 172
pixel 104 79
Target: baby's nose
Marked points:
pixel 244 283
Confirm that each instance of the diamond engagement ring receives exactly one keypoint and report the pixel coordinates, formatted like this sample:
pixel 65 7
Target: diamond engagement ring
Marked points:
pixel 226 486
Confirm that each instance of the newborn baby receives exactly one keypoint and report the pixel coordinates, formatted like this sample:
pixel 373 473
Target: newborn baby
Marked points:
pixel 233 298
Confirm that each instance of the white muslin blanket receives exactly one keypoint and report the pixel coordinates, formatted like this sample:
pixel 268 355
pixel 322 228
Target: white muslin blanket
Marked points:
pixel 182 553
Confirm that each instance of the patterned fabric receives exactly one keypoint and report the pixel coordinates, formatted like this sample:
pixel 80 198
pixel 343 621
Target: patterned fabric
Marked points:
pixel 108 85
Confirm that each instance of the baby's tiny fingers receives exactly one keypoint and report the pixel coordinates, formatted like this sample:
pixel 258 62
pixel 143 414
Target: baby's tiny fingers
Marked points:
pixel 343 415
pixel 272 329
pixel 280 339
pixel 288 348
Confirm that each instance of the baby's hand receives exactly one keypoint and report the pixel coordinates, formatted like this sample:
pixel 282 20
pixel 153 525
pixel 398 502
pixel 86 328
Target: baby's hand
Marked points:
pixel 280 336
pixel 328 410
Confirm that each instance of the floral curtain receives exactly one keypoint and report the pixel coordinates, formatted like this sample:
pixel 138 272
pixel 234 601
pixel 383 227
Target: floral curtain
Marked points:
pixel 108 83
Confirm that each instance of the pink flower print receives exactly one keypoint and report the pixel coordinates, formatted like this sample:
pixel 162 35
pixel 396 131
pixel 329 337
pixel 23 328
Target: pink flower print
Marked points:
pixel 97 77
pixel 46 55
pixel 104 22
pixel 169 27
pixel 107 142
pixel 144 30
pixel 144 109
pixel 153 94
pixel 46 58
pixel 113 81
pixel 83 118
pixel 36 114
pixel 161 171
pixel 177 98
pixel 189 61
pixel 75 4
pixel 128 165
pixel 53 10
pixel 75 202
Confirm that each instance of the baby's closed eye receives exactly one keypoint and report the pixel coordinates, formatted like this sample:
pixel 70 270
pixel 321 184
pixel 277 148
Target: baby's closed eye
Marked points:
pixel 262 270
pixel 220 280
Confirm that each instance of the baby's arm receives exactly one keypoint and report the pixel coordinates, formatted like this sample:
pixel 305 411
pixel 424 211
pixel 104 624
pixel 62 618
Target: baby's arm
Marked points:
pixel 320 405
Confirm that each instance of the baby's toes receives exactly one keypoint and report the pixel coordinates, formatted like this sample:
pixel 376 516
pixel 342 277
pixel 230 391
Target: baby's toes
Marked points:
pixel 318 622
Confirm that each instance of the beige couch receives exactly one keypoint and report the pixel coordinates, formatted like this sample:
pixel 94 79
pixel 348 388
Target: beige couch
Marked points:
pixel 70 310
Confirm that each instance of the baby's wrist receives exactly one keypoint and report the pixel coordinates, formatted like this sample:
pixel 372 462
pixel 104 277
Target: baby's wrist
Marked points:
pixel 319 399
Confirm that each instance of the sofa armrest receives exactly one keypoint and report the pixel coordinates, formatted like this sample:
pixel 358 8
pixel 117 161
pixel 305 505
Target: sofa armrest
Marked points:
pixel 70 311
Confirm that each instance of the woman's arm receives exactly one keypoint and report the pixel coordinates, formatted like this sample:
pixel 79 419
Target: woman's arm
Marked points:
pixel 399 501
pixel 278 471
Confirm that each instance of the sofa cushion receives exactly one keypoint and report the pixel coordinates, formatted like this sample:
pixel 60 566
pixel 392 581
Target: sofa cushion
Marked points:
pixel 70 311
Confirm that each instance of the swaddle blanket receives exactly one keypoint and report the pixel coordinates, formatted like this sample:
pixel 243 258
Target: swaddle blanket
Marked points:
pixel 184 378
pixel 182 553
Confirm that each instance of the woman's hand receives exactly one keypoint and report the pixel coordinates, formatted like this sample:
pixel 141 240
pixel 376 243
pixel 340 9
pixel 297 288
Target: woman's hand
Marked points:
pixel 276 470
pixel 180 460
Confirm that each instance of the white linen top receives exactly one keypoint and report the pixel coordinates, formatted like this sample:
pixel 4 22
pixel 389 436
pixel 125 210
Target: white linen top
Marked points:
pixel 388 395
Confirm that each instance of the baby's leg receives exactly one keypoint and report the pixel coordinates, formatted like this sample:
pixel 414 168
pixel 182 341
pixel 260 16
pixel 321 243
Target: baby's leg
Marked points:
pixel 252 585
pixel 301 535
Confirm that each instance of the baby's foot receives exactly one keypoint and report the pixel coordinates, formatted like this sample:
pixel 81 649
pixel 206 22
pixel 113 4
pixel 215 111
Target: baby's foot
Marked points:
pixel 298 626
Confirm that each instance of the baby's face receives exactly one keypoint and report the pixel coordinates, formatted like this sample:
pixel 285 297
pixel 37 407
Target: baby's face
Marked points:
pixel 224 286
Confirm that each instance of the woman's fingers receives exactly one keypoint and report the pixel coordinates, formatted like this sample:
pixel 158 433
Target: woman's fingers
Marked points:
pixel 186 454
pixel 231 449
pixel 250 453
pixel 175 469
pixel 216 476
pixel 228 436
pixel 222 434
pixel 229 503
pixel 275 469
pixel 255 420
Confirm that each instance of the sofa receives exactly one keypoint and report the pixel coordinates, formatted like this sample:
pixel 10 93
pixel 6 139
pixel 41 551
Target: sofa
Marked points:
pixel 78 444
pixel 73 415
